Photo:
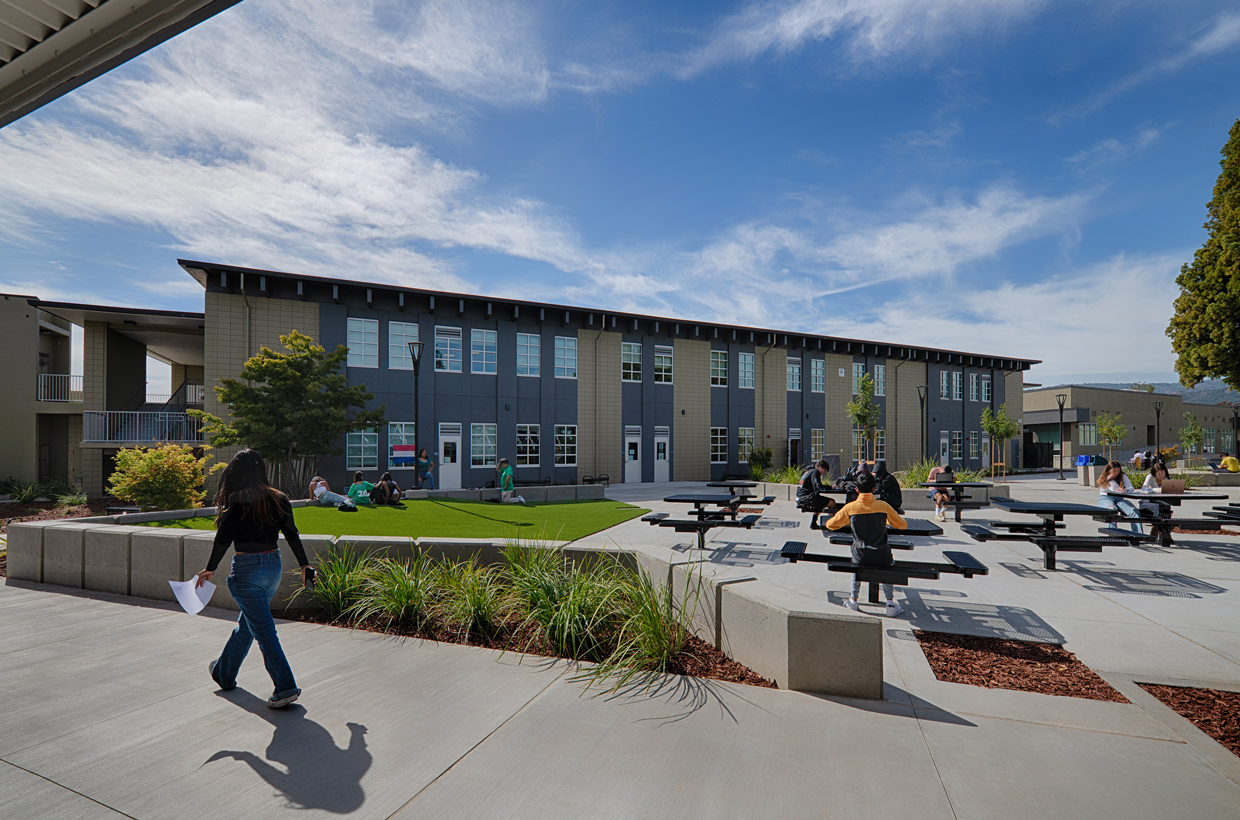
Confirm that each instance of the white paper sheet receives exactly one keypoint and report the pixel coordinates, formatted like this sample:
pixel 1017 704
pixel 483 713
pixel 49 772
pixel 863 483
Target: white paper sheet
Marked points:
pixel 192 600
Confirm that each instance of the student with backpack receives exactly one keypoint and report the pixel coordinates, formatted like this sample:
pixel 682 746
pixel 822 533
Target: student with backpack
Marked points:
pixel 869 518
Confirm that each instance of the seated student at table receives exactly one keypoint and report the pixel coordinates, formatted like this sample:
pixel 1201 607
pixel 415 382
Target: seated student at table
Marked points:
pixel 321 491
pixel 869 518
pixel 809 497
pixel 360 489
pixel 887 487
pixel 1229 463
pixel 941 497
pixel 1114 480
pixel 1153 481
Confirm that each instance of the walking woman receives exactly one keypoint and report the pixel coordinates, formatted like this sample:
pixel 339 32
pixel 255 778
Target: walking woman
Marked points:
pixel 250 515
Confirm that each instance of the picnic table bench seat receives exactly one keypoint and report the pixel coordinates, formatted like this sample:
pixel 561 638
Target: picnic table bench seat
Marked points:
pixel 703 525
pixel 121 509
pixel 1161 527
pixel 1073 543
pixel 980 533
pixel 1222 512
pixel 1022 526
pixel 1131 537
pixel 897 573
pixel 894 543
pixel 655 517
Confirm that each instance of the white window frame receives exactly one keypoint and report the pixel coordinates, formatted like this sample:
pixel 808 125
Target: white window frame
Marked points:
pixel 361 450
pixel 744 444
pixel 482 361
pixel 1087 434
pixel 817 376
pixel 566 445
pixel 406 432
pixel 399 338
pixel 945 386
pixel 817 444
pixel 973 387
pixel 794 375
pixel 719 368
pixel 529 351
pixel 631 362
pixel 718 445
pixel 975 445
pixel 858 370
pixel 987 387
pixel 880 380
pixel 662 364
pixel 957 386
pixel 745 364
pixel 958 444
pixel 529 441
pixel 364 352
pixel 448 336
pixel 565 349
pixel 880 445
pixel 483 453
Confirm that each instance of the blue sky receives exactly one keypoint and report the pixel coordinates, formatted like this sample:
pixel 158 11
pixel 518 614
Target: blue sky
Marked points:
pixel 1021 177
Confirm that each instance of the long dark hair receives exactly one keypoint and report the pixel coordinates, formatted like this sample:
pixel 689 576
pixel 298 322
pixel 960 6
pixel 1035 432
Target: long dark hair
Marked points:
pixel 244 481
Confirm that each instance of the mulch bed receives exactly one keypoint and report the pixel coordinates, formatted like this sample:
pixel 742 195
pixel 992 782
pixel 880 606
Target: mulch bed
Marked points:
pixel 1026 666
pixel 4 565
pixel 45 511
pixel 1216 713
pixel 1182 531
pixel 700 659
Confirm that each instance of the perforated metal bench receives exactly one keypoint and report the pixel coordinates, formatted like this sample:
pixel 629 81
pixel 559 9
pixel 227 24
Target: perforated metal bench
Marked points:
pixel 1162 527
pixel 1072 543
pixel 898 573
pixel 655 518
pixel 702 526
pixel 1023 527
pixel 894 543
pixel 980 533
pixel 1131 537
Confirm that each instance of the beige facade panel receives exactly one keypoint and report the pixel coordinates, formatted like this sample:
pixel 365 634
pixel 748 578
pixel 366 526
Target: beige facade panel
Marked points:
pixel 771 402
pixel 599 420
pixel 691 420
pixel 904 417
pixel 838 395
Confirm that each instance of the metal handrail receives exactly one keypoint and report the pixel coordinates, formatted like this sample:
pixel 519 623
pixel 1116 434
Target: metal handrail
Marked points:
pixel 59 387
pixel 140 426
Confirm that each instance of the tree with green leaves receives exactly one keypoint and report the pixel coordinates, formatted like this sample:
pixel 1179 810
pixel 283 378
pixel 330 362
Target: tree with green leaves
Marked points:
pixel 1192 436
pixel 1205 329
pixel 1111 432
pixel 866 413
pixel 293 408
pixel 1001 428
pixel 1144 386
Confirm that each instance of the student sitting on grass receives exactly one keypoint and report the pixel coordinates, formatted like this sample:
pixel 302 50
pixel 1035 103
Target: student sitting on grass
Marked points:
pixel 506 490
pixel 869 518
pixel 387 491
pixel 321 491
pixel 360 489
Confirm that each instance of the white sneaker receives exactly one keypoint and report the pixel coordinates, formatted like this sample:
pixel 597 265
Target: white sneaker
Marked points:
pixel 940 516
pixel 851 604
pixel 521 499
pixel 894 610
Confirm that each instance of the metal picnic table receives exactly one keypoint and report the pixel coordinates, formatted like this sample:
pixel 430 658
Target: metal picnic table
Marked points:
pixel 1162 526
pixel 959 500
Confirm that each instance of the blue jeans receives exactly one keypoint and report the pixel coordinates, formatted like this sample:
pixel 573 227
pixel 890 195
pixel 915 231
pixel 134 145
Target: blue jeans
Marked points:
pixel 1123 505
pixel 330 499
pixel 427 476
pixel 252 582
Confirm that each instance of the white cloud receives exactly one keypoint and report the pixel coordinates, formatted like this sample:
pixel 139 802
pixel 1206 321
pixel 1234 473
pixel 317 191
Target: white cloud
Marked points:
pixel 870 29
pixel 1110 151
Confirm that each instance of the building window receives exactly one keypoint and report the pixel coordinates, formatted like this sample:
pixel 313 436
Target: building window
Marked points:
pixel 400 334
pixel 361 450
pixel 944 385
pixel 482 445
pixel 817 444
pixel 1226 437
pixel 719 368
pixel 630 362
pixel 957 386
pixel 527 444
pixel 662 365
pixel 817 376
pixel 566 445
pixel 880 445
pixel 858 371
pixel 859 445
pixel 972 387
pixel 957 444
pixel 718 445
pixel 448 349
pixel 974 445
pixel 744 444
pixel 794 375
pixel 1087 434
pixel 529 351
pixel 483 351
pixel 744 370
pixel 986 390
pixel 880 379
pixel 402 445
pixel 565 357
pixel 362 337
pixel 1209 442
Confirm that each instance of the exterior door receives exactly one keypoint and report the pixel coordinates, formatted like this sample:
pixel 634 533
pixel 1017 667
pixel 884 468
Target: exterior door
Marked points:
pixel 944 448
pixel 986 450
pixel 662 467
pixel 632 457
pixel 449 465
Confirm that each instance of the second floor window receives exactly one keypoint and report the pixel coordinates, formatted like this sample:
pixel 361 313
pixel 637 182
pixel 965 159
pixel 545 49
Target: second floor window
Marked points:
pixel 986 390
pixel 858 372
pixel 957 386
pixel 400 334
pixel 719 368
pixel 630 362
pixel 744 371
pixel 448 349
pixel 362 338
pixel 483 351
pixel 662 365
pixel 794 374
pixel 973 387
pixel 565 357
pixel 817 375
pixel 945 384
pixel 529 348
pixel 880 379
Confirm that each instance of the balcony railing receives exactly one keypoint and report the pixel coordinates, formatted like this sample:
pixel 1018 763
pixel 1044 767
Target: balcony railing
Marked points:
pixel 135 426
pixel 59 387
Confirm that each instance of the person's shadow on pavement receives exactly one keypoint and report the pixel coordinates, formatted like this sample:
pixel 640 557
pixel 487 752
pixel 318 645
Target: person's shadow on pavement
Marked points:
pixel 317 773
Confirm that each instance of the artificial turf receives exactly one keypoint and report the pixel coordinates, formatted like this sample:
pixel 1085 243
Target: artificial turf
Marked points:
pixel 444 518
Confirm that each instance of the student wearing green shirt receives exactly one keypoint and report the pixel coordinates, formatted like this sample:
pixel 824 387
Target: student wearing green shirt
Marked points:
pixel 360 489
pixel 505 483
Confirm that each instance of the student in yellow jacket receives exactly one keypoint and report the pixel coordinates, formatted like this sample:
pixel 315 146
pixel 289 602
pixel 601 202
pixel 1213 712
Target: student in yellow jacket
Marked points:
pixel 869 518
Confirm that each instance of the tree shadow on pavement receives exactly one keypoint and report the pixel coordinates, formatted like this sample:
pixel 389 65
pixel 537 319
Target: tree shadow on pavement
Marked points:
pixel 315 773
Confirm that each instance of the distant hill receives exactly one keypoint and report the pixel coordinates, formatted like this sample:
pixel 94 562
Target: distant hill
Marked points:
pixel 1210 392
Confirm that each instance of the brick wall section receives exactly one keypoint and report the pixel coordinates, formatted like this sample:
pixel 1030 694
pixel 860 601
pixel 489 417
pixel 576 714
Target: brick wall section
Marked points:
pixel 903 412
pixel 599 418
pixel 691 428
pixel 771 408
pixel 839 394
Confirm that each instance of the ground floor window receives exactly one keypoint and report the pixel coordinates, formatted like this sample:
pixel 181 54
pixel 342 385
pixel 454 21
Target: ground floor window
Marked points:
pixel 1209 445
pixel 974 445
pixel 1088 434
pixel 482 445
pixel 817 444
pixel 362 450
pixel 402 445
pixel 718 445
pixel 527 445
pixel 744 444
pixel 880 445
pixel 957 444
pixel 1227 437
pixel 566 445
pixel 858 447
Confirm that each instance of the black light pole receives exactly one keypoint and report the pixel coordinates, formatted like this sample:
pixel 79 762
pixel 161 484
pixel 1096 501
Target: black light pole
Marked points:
pixel 415 353
pixel 1235 416
pixel 921 399
pixel 1157 430
pixel 1060 398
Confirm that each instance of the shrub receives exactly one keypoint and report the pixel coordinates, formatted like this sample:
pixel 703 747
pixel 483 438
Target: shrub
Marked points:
pixel 402 593
pixel 68 500
pixel 473 600
pixel 761 458
pixel 784 475
pixel 168 477
pixel 917 472
pixel 26 493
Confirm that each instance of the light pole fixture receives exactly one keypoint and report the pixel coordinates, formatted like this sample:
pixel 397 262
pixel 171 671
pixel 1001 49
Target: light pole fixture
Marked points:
pixel 1235 417
pixel 415 353
pixel 1060 399
pixel 1158 429
pixel 921 399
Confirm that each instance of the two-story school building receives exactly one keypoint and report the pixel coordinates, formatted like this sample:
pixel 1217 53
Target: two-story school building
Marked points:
pixel 562 392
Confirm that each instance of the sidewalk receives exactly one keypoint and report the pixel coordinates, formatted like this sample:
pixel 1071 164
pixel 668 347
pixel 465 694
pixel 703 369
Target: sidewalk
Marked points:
pixel 109 713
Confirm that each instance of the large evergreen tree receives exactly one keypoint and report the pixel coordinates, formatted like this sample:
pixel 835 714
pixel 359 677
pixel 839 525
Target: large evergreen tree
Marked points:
pixel 1205 330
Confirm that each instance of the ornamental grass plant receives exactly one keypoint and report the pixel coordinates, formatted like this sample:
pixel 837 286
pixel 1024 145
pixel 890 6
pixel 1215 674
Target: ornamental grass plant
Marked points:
pixel 472 599
pixel 401 594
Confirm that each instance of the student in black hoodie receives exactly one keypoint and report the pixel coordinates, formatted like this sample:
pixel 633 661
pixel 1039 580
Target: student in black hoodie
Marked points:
pixel 809 498
pixel 887 487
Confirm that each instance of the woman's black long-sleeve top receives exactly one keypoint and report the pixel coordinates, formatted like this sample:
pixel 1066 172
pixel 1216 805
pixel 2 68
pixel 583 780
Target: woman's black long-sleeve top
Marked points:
pixel 240 527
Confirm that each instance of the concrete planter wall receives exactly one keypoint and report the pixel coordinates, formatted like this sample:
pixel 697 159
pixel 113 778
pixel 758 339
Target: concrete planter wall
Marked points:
pixel 532 495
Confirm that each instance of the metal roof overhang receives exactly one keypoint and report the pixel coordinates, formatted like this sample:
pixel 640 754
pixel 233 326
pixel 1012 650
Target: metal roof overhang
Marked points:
pixel 50 47
pixel 176 336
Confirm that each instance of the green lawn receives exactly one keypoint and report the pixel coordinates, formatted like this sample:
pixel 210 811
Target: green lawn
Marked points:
pixel 552 521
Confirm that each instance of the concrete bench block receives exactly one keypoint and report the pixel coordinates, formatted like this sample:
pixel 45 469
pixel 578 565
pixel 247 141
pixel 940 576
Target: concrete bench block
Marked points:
pixel 107 558
pixel 488 494
pixel 25 550
pixel 379 546
pixel 414 494
pixel 565 493
pixel 697 588
pixel 533 495
pixel 488 551
pixel 316 546
pixel 155 559
pixel 587 491
pixel 64 554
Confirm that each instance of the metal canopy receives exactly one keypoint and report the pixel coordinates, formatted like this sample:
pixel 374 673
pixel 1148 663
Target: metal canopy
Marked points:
pixel 50 47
